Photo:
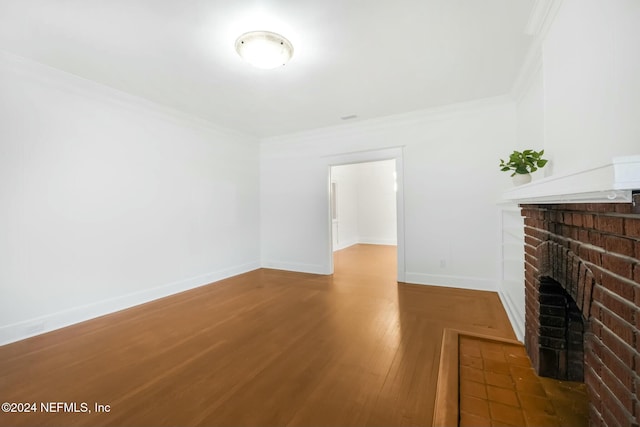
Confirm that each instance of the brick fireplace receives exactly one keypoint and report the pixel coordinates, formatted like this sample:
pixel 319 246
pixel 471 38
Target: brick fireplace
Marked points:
pixel 582 297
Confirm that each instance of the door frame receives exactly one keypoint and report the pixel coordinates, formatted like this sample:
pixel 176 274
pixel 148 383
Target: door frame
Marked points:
pixel 367 156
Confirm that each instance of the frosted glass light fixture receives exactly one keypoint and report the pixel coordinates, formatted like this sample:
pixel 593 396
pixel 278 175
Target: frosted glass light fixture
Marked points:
pixel 264 49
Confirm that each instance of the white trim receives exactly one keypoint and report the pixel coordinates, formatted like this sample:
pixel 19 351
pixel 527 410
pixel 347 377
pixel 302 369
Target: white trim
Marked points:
pixel 400 217
pixel 72 83
pixel 462 282
pixel 538 17
pixel 542 16
pixel 349 243
pixel 371 241
pixel 388 122
pixel 297 267
pixel 395 153
pixel 609 183
pixel 28 328
pixel 515 316
pixel 377 241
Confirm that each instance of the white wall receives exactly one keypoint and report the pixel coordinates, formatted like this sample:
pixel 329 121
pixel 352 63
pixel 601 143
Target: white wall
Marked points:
pixel 451 185
pixel 591 74
pixel 108 201
pixel 366 203
pixel 377 203
pixel 530 110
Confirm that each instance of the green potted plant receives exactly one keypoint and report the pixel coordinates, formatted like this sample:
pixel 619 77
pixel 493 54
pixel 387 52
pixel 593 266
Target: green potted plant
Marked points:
pixel 523 163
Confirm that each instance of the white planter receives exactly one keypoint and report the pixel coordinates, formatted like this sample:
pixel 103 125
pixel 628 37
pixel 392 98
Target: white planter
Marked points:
pixel 521 178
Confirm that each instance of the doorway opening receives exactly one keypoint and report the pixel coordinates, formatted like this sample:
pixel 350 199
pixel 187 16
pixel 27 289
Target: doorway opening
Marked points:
pixel 366 206
pixel 363 204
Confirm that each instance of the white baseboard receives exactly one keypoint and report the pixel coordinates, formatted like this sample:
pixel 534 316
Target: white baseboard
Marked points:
pixel 297 267
pixel 366 241
pixel 515 316
pixel 345 245
pixel 463 282
pixel 377 241
pixel 28 328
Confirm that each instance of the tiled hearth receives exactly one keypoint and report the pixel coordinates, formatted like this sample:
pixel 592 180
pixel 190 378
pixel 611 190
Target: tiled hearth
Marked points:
pixel 486 381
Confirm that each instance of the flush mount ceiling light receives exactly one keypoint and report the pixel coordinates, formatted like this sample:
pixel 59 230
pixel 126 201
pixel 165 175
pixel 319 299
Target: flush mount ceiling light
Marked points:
pixel 264 49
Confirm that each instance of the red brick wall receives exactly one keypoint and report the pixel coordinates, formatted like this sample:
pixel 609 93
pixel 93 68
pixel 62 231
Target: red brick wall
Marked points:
pixel 593 251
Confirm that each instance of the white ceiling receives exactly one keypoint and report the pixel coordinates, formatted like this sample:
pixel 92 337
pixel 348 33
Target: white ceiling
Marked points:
pixel 364 57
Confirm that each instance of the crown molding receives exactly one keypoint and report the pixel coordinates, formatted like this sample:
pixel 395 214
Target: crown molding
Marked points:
pixel 72 83
pixel 541 18
pixel 538 17
pixel 393 121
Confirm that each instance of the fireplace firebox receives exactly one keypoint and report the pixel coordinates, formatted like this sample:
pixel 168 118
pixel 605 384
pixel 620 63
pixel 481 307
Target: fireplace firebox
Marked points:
pixel 561 341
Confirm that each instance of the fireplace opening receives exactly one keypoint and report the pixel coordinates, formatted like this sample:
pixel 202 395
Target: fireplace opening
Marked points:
pixel 561 342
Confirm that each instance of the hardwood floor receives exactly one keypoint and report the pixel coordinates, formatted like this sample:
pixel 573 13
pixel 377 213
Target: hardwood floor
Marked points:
pixel 268 348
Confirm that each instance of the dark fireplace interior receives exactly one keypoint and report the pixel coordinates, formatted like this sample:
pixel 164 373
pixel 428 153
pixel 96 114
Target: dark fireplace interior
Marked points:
pixel 561 334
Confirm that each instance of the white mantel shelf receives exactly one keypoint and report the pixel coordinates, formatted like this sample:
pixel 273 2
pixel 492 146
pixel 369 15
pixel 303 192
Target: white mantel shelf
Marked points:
pixel 609 183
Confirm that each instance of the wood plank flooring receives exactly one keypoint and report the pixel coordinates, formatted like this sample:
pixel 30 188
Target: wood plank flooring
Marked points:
pixel 266 348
